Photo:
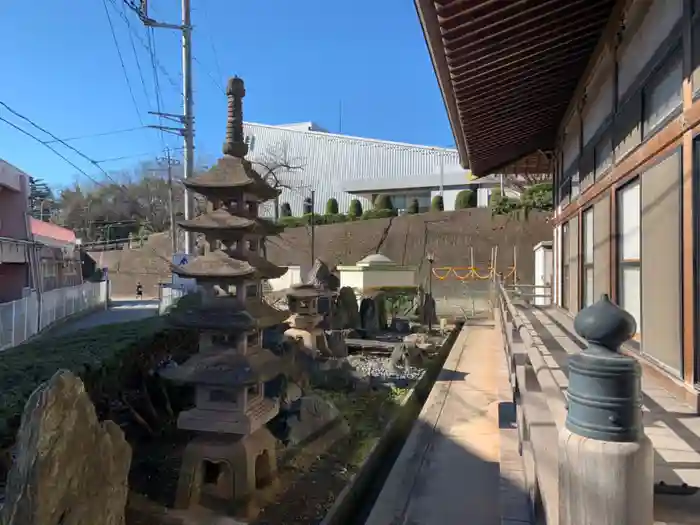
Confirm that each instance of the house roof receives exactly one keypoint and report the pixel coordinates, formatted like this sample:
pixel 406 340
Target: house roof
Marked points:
pixel 508 71
pixel 51 234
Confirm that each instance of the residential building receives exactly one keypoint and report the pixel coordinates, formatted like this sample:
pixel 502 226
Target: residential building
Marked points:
pixel 604 95
pixel 58 254
pixel 15 235
pixel 304 157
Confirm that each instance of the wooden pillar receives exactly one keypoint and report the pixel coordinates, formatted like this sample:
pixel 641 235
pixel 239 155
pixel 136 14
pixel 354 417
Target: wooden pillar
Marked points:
pixel 688 241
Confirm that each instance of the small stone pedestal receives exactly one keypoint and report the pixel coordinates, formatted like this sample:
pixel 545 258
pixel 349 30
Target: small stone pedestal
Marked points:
pixel 606 462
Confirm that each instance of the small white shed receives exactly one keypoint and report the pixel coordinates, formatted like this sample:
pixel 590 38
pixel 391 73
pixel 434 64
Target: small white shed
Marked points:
pixel 375 271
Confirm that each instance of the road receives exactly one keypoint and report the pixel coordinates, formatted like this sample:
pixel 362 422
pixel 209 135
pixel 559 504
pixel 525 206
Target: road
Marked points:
pixel 120 311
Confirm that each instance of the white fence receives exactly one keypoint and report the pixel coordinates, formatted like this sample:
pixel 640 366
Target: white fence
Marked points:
pixel 21 319
pixel 168 294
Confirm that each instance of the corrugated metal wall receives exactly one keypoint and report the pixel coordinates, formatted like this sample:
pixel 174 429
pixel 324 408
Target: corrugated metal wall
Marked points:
pixel 328 161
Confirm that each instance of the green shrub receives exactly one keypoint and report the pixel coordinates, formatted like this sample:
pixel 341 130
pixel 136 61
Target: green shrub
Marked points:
pixel 334 218
pixel 465 199
pixel 414 207
pixel 285 210
pixel 437 203
pixel 538 197
pixel 502 204
pixel 383 202
pixel 109 359
pixel 378 214
pixel 332 207
pixel 307 207
pixel 355 209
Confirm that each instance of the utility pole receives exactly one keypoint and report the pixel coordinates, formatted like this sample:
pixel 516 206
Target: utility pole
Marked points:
pixel 169 162
pixel 189 127
pixel 187 118
pixel 313 227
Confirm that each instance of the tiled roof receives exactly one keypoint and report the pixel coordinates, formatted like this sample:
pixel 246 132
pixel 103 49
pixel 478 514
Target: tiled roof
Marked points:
pixel 46 231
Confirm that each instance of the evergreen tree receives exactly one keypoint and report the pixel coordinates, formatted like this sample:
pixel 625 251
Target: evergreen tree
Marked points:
pixel 465 199
pixel 355 208
pixel 383 202
pixel 437 203
pixel 414 208
pixel 332 207
pixel 308 206
pixel 41 201
pixel 285 210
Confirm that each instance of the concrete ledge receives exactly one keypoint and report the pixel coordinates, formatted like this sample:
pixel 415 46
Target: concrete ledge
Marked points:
pixel 351 497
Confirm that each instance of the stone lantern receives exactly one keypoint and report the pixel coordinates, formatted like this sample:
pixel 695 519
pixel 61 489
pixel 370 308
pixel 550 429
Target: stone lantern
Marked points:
pixel 303 301
pixel 234 453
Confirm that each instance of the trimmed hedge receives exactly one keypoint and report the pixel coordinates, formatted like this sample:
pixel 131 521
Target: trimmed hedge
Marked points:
pixel 107 358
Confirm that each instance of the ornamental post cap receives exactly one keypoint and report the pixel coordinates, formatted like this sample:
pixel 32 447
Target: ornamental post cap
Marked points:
pixel 605 324
pixel 235 87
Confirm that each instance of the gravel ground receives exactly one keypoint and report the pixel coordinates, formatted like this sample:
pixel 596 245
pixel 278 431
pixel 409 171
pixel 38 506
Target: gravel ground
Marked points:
pixel 380 370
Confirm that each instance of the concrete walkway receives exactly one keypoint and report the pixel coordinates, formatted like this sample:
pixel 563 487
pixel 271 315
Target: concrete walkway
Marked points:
pixel 460 462
pixel 120 311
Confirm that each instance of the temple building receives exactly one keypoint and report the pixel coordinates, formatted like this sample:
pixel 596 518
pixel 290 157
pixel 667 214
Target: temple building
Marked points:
pixel 234 453
pixel 604 96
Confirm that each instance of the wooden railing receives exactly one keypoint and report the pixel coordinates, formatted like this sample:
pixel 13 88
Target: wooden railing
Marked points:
pixel 540 405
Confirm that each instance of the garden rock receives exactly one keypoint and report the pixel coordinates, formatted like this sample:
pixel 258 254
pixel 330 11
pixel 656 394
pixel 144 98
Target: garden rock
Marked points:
pixel 310 417
pixel 70 469
pixel 336 343
pixel 346 312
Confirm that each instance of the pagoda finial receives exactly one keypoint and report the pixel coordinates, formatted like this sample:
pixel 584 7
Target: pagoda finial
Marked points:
pixel 235 145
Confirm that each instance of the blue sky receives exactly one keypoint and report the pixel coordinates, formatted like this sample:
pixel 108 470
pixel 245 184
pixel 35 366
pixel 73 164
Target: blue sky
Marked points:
pixel 300 59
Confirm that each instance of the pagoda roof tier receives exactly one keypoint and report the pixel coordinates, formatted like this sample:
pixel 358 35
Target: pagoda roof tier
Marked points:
pixel 307 291
pixel 227 368
pixel 222 220
pixel 219 265
pixel 231 175
pixel 264 314
pixel 223 314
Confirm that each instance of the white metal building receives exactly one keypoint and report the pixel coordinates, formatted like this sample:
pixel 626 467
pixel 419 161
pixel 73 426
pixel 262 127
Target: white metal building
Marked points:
pixel 327 162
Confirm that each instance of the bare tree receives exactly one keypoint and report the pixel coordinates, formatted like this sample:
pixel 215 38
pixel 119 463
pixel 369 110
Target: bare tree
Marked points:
pixel 276 164
pixel 521 181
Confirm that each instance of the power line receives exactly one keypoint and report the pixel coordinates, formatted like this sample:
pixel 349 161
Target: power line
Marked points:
pixel 213 46
pixel 218 85
pixel 37 126
pixel 106 133
pixel 144 44
pixel 152 51
pixel 25 132
pixel 136 58
pixel 121 61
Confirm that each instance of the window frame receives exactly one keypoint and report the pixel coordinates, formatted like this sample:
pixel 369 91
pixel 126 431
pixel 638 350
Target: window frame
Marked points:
pixel 565 253
pixel 587 259
pixel 622 262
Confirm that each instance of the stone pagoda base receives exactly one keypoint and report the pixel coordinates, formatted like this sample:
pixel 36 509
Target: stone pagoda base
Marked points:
pixel 229 422
pixel 218 473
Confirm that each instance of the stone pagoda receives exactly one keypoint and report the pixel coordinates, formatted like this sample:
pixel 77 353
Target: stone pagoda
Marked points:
pixel 234 452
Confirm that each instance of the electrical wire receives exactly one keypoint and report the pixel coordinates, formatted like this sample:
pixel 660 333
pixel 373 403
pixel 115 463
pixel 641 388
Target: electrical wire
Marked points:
pixel 136 57
pixel 43 130
pixel 121 61
pixel 58 153
pixel 106 133
pixel 152 52
pixel 141 41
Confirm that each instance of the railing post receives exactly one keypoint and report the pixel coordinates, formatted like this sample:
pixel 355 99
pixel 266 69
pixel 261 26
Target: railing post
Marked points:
pixel 606 463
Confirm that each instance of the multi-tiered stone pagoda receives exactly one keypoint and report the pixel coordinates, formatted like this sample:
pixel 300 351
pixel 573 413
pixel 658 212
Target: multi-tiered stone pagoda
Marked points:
pixel 234 453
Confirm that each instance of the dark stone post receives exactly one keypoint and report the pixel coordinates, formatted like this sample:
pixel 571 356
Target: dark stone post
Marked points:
pixel 605 459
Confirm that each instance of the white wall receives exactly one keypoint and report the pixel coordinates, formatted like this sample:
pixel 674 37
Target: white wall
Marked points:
pixel 292 277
